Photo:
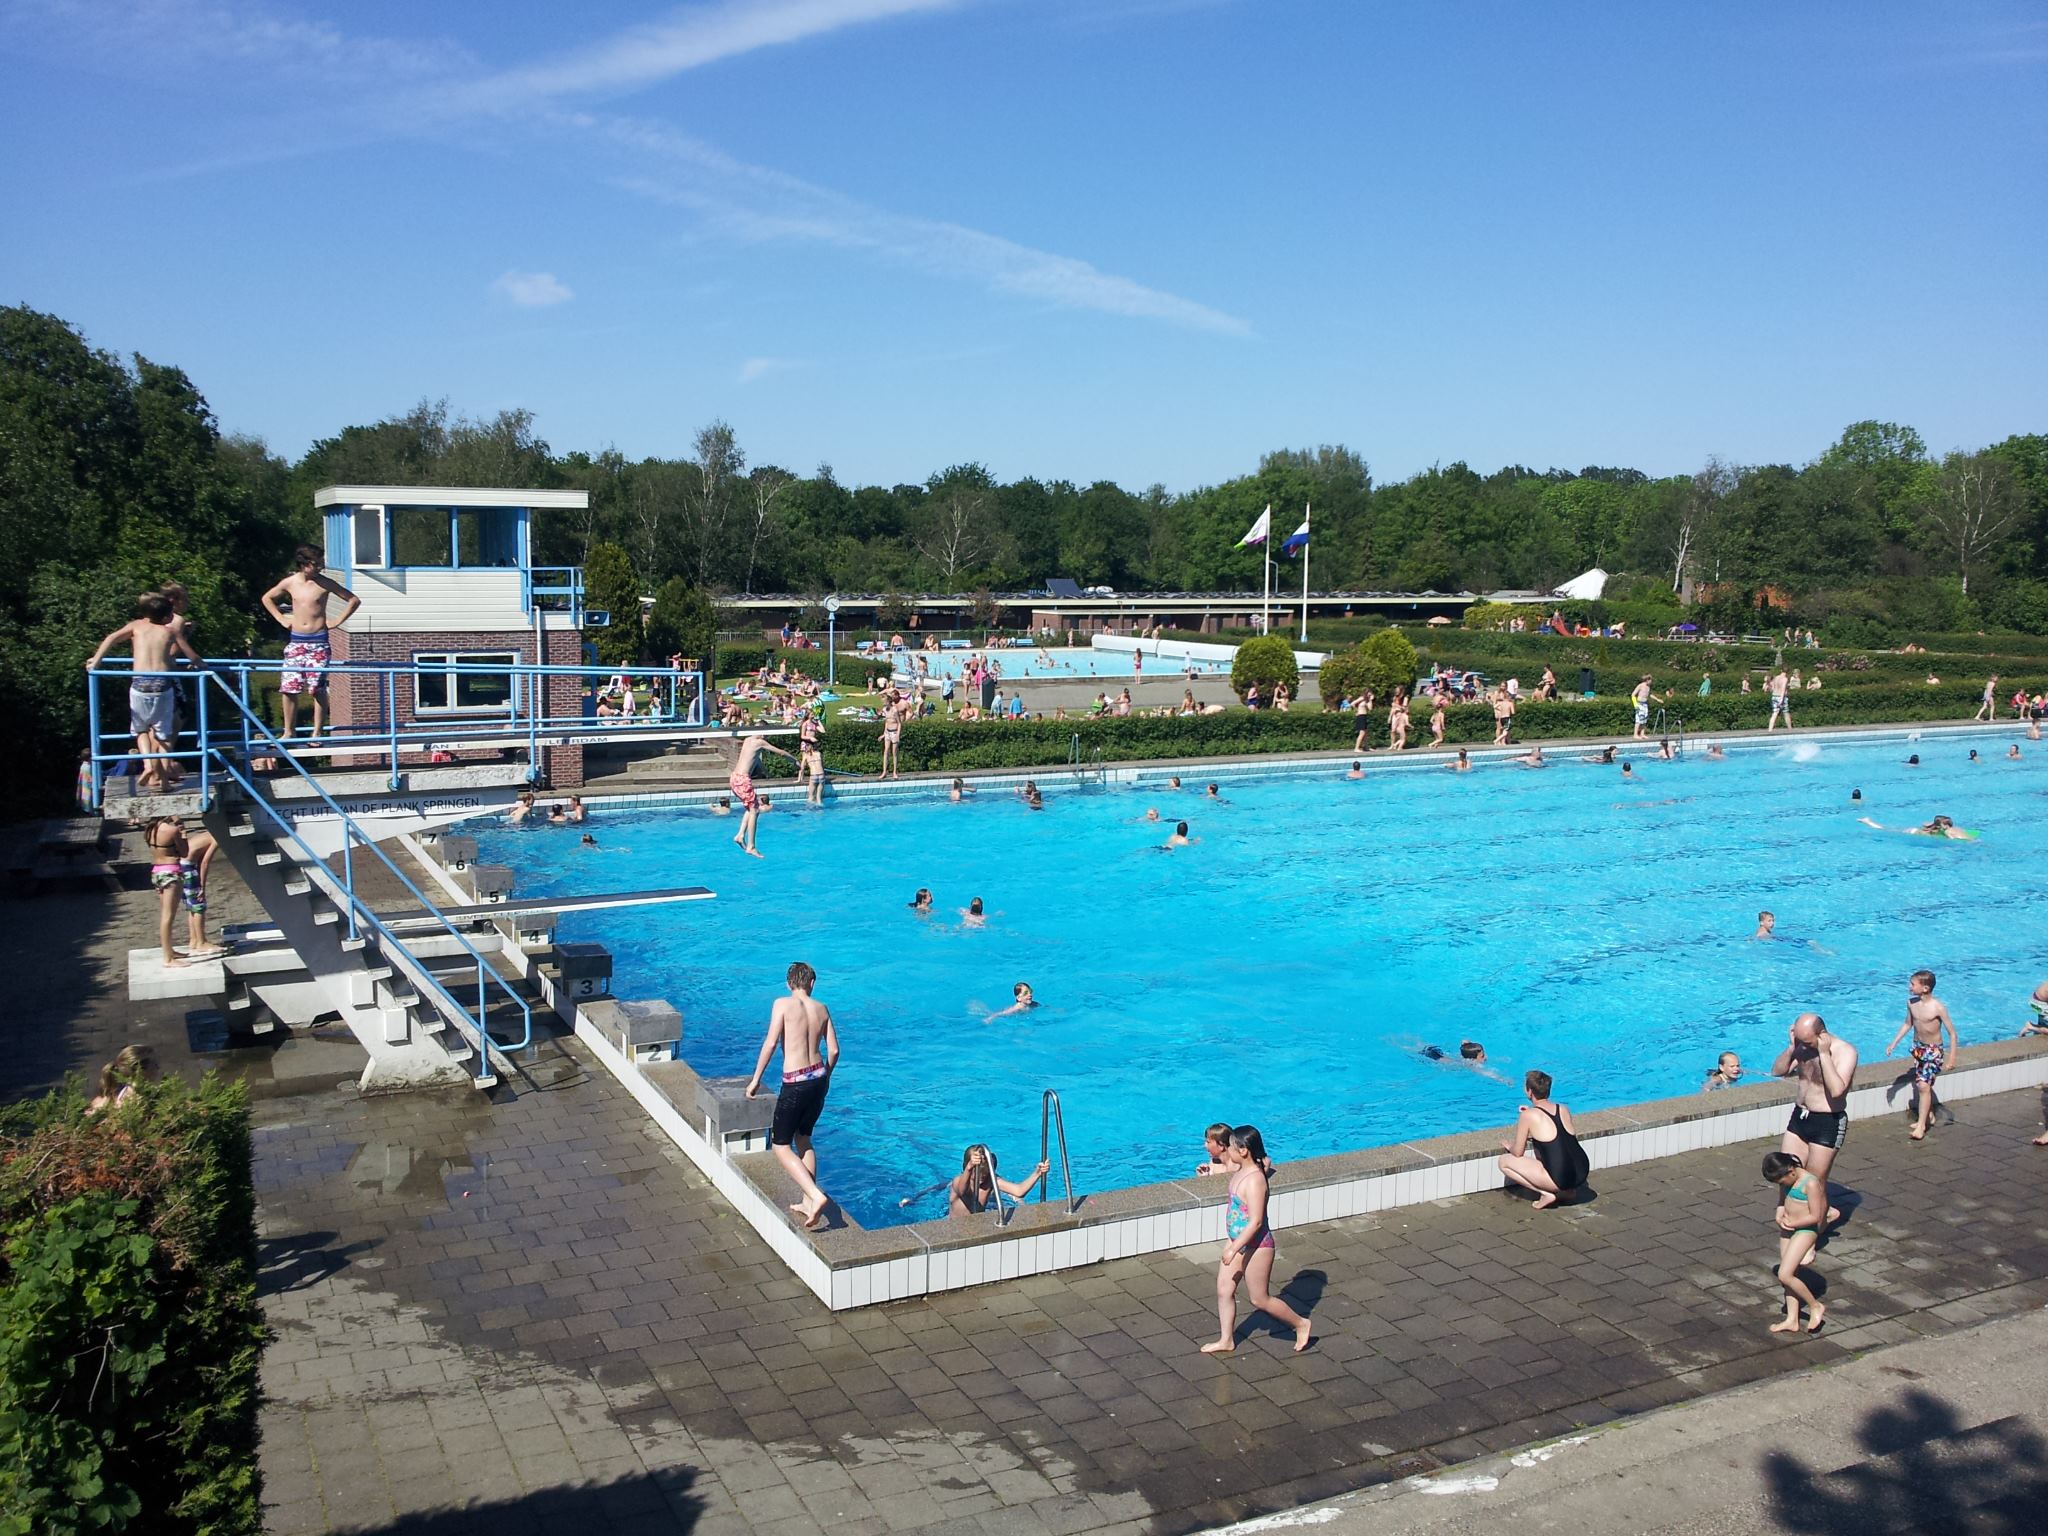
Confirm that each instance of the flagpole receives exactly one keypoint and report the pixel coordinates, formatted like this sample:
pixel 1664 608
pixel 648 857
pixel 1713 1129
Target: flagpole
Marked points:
pixel 1306 510
pixel 1266 550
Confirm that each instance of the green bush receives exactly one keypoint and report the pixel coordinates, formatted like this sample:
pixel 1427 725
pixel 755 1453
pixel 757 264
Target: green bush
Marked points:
pixel 1390 662
pixel 1268 661
pixel 129 1327
pixel 1343 676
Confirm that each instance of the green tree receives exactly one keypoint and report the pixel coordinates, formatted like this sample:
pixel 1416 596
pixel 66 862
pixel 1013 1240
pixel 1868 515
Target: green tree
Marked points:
pixel 610 586
pixel 682 623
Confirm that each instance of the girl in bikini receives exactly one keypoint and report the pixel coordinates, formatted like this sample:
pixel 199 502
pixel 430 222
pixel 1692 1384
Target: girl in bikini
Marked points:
pixel 1248 1248
pixel 177 867
pixel 1798 1233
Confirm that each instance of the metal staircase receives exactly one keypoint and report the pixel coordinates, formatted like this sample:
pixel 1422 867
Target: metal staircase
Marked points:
pixel 315 867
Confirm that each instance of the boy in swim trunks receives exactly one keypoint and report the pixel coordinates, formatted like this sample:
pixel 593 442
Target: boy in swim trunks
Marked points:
pixel 742 784
pixel 801 1027
pixel 154 638
pixel 1926 1018
pixel 299 603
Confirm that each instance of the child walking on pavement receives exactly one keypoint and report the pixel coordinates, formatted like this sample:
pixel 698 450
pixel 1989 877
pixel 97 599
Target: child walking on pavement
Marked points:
pixel 1926 1018
pixel 1248 1249
pixel 1798 1233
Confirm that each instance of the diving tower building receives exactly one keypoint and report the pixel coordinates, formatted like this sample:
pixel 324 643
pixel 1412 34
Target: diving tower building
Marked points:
pixel 450 594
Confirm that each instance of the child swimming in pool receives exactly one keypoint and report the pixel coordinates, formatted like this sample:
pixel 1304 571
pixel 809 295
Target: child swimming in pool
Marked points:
pixel 1248 1248
pixel 1798 1232
pixel 1024 1003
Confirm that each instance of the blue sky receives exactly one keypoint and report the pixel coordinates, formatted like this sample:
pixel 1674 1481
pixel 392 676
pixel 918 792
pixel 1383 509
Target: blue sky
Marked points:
pixel 1136 239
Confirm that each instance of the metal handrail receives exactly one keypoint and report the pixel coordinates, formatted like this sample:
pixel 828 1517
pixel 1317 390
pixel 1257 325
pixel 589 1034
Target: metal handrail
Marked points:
pixel 526 715
pixel 358 911
pixel 1049 1115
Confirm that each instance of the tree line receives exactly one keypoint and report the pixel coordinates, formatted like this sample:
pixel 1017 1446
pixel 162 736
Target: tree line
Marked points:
pixel 115 476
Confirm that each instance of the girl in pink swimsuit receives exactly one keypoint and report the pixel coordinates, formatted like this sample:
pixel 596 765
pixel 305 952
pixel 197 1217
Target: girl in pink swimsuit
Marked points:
pixel 1248 1249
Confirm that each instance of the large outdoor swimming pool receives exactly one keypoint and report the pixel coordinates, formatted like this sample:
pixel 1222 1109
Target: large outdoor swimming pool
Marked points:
pixel 1057 662
pixel 1286 969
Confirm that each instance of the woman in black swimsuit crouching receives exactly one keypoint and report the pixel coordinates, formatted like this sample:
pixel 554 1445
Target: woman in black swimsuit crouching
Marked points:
pixel 1545 1155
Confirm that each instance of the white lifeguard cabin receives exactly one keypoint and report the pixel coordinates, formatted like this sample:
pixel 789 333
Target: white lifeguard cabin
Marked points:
pixel 449 589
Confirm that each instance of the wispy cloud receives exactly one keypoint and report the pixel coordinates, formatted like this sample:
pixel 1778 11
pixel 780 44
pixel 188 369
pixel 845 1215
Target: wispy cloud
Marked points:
pixel 533 290
pixel 756 203
pixel 443 87
pixel 755 369
pixel 688 39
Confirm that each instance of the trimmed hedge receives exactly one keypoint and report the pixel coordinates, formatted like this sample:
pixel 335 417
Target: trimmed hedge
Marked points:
pixel 746 660
pixel 129 1326
pixel 951 746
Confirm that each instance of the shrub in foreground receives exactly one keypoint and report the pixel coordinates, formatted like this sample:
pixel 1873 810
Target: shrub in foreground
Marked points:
pixel 129 1327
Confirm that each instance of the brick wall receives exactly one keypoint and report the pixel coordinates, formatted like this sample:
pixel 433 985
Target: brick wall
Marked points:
pixel 360 701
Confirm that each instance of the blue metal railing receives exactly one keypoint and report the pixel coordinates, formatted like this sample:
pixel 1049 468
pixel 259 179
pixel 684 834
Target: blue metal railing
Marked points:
pixel 214 761
pixel 555 588
pixel 525 719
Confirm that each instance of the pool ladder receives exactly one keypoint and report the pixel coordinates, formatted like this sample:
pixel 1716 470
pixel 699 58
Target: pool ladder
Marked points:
pixel 1673 727
pixel 1050 1119
pixel 1093 765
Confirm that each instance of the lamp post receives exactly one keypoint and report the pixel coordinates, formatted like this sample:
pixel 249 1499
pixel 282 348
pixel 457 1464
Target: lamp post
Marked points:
pixel 831 642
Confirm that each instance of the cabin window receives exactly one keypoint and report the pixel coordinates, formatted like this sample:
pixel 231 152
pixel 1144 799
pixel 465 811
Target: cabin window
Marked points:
pixel 420 537
pixel 445 684
pixel 369 536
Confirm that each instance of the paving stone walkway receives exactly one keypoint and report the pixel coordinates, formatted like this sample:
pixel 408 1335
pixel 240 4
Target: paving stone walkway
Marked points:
pixel 534 1316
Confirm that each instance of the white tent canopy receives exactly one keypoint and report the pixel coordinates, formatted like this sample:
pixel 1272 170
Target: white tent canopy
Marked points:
pixel 1587 586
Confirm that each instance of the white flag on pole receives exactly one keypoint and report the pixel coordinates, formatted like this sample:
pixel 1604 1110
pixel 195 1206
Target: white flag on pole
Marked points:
pixel 1258 531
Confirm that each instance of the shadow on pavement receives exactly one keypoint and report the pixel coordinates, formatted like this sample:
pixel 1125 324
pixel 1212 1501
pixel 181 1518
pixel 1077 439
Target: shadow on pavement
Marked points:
pixel 646 1501
pixel 1922 1472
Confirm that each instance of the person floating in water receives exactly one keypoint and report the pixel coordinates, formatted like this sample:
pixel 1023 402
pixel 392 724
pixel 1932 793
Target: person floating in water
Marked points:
pixel 1766 926
pixel 1248 1247
pixel 1940 826
pixel 1179 839
pixel 974 916
pixel 1726 1074
pixel 1024 1003
pixel 1470 1054
pixel 1533 758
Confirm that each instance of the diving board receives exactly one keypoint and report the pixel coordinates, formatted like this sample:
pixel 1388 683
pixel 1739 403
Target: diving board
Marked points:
pixel 522 906
pixel 418 918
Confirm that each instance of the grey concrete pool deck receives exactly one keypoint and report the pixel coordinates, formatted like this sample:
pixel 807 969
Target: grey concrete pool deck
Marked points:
pixel 531 1314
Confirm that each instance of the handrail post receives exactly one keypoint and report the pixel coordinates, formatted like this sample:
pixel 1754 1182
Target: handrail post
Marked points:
pixel 205 755
pixel 391 719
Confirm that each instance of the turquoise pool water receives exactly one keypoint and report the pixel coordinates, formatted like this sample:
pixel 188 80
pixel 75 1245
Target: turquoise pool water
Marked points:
pixel 1058 662
pixel 1286 969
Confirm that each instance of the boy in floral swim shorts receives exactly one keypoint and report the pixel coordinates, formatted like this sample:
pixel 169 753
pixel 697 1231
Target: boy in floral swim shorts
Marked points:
pixel 1926 1018
pixel 299 603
